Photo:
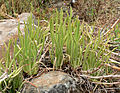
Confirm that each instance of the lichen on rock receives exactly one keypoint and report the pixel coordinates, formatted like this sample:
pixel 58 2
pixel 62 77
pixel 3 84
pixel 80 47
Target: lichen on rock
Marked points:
pixel 51 82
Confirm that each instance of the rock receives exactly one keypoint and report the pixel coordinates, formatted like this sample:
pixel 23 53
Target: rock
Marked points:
pixel 51 82
pixel 24 16
pixel 9 28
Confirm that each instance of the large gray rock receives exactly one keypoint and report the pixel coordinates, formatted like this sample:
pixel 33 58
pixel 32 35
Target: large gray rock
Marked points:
pixel 51 82
pixel 9 29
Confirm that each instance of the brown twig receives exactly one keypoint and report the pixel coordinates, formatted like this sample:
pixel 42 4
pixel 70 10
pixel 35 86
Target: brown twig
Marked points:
pixel 31 83
pixel 95 70
pixel 116 22
pixel 107 83
pixel 114 67
pixel 101 77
